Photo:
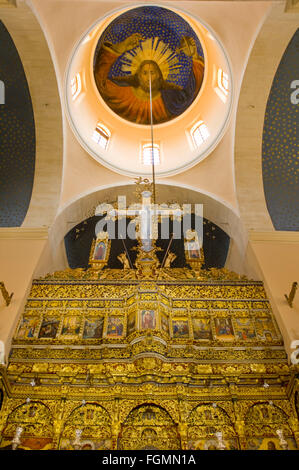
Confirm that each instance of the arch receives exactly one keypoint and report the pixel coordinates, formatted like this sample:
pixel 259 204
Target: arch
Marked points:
pixel 216 211
pixel 263 422
pixel 280 143
pixel 149 426
pixel 17 128
pixel 205 421
pixel 262 65
pixel 35 423
pixel 87 427
pixel 30 411
pixel 34 53
pixel 76 413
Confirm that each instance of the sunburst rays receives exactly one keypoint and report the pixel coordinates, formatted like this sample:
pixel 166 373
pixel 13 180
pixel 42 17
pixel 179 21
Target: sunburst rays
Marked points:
pixel 152 49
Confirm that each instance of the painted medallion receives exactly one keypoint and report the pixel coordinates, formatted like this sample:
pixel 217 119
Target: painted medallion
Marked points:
pixel 149 51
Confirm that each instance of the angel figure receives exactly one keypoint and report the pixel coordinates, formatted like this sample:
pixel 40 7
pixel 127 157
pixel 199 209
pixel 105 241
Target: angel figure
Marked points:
pixel 124 260
pixel 170 258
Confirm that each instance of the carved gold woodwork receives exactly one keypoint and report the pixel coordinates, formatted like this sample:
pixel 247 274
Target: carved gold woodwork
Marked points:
pixel 160 359
pixel 100 250
pixel 149 427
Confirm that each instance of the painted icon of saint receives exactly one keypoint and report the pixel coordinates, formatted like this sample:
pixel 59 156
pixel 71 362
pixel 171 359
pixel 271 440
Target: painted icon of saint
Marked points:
pixel 193 250
pixel 180 328
pixel 115 326
pixel 100 251
pixel 148 319
pixel 49 329
pixel 93 328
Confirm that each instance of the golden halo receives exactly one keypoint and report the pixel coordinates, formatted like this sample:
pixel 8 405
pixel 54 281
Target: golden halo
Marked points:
pixel 152 49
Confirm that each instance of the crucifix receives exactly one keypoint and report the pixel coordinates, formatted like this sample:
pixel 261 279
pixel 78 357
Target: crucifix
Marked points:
pixel 146 217
pixel 147 213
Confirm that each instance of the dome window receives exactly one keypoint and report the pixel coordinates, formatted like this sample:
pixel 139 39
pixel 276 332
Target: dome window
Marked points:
pixel 101 135
pixel 149 152
pixel 199 133
pixel 76 86
pixel 222 87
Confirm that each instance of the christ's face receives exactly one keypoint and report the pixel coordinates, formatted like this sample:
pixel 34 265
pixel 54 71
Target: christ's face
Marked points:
pixel 149 71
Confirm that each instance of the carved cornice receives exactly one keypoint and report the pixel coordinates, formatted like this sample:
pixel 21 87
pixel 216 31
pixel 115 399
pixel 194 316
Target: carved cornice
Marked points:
pixel 292 6
pixel 8 3
pixel 275 236
pixel 23 233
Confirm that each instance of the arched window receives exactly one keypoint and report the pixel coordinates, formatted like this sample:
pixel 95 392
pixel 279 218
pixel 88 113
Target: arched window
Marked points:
pixel 222 80
pixel 76 85
pixel 199 133
pixel 222 85
pixel 101 135
pixel 150 152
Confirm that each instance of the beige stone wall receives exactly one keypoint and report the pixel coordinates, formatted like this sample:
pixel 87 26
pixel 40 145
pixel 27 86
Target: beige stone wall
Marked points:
pixel 33 49
pixel 264 59
pixel 214 177
pixel 20 249
pixel 276 255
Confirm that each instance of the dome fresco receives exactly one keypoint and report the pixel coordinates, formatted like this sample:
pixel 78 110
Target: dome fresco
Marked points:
pixel 133 54
pixel 148 42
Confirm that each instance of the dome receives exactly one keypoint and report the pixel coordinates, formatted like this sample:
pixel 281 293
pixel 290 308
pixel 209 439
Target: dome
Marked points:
pixel 123 120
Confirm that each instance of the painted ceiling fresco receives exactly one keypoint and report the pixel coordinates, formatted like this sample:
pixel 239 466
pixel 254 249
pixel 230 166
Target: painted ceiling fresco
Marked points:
pixel 149 51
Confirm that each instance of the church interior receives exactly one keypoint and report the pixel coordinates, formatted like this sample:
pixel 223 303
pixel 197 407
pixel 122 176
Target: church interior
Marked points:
pixel 149 225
